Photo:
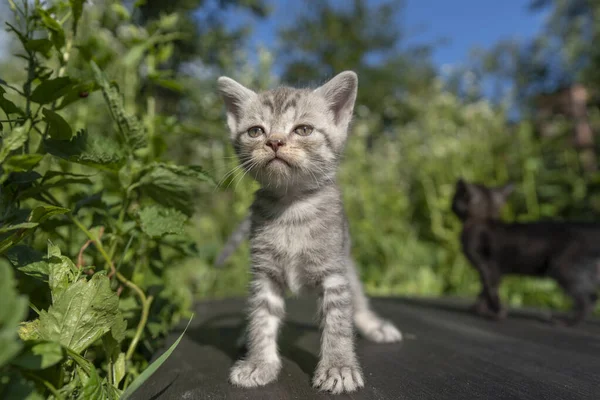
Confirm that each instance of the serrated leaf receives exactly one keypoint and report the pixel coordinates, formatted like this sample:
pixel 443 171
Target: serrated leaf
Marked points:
pixel 96 150
pixel 52 89
pixel 59 129
pixel 30 330
pixel 8 106
pixel 13 309
pixel 40 356
pixel 172 185
pixel 13 141
pixel 130 127
pixel 81 315
pixel 157 221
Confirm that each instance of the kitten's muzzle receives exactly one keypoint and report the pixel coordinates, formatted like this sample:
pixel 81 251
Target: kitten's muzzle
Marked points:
pixel 275 144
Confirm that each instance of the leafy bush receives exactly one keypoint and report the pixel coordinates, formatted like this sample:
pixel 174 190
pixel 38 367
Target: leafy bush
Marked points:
pixel 92 221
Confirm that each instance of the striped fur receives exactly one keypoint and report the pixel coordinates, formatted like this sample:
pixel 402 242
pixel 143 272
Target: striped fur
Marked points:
pixel 298 229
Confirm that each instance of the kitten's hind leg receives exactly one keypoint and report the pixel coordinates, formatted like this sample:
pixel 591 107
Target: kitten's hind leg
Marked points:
pixel 368 323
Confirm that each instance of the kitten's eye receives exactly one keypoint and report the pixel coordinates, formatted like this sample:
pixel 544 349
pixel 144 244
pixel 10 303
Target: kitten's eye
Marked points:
pixel 255 131
pixel 304 130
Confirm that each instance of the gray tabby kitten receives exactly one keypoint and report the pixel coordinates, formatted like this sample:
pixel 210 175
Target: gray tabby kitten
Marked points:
pixel 291 141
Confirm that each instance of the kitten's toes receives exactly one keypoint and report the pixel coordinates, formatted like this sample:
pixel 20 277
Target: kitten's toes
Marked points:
pixel 372 327
pixel 386 332
pixel 337 380
pixel 250 373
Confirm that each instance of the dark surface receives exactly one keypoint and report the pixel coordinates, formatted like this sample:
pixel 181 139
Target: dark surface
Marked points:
pixel 447 353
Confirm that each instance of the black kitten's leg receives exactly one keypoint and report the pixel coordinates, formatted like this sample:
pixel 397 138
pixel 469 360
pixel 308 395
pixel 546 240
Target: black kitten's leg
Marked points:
pixel 488 302
pixel 581 307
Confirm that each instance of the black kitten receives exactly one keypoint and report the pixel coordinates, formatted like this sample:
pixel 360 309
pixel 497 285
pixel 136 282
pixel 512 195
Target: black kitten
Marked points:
pixel 569 252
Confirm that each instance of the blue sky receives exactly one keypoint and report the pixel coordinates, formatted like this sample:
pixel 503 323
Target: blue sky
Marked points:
pixel 464 24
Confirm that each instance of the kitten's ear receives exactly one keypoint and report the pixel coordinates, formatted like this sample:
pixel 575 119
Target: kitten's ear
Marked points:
pixel 234 95
pixel 474 192
pixel 501 193
pixel 469 189
pixel 340 94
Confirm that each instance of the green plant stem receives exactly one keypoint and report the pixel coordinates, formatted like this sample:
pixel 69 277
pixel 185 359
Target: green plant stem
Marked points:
pixel 146 301
pixel 141 325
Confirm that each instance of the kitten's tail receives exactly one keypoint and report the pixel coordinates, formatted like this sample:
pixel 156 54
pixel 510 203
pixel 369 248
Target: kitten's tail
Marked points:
pixel 240 233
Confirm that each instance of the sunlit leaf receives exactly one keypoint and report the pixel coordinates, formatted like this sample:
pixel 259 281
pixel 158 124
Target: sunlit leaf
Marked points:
pixel 157 221
pixel 82 314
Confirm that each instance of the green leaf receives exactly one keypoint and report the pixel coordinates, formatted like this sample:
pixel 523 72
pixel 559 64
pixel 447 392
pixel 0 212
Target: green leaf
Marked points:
pixel 42 46
pixel 13 141
pixel 121 11
pixel 42 213
pixel 52 89
pixel 29 261
pixel 130 127
pixel 172 185
pixel 23 225
pixel 61 272
pixel 119 368
pixel 23 255
pixel 30 330
pixel 37 215
pixel 8 106
pixel 81 315
pixel 76 10
pixel 78 92
pixel 148 372
pixel 59 128
pixel 157 221
pixel 40 356
pixel 21 162
pixel 57 34
pixel 96 150
pixel 94 388
pixel 13 309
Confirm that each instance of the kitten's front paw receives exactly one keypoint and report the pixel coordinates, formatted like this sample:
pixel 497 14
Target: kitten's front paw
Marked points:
pixel 386 332
pixel 338 379
pixel 250 373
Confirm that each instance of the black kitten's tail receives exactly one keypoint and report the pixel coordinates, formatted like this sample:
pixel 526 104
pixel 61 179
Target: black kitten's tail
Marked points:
pixel 237 237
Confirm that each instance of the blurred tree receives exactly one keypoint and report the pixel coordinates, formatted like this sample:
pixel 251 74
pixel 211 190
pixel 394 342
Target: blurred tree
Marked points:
pixel 207 34
pixel 563 53
pixel 328 38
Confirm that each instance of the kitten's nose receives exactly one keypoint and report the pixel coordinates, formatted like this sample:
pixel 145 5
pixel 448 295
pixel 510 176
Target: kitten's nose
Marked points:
pixel 275 144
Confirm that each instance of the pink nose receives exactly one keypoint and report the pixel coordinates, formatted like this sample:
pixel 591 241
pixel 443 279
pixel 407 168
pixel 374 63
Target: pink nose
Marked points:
pixel 275 144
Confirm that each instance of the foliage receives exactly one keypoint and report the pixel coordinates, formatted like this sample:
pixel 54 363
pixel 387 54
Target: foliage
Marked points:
pixel 90 218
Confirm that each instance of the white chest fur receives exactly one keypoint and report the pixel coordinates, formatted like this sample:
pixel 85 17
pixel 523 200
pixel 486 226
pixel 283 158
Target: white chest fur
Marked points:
pixel 290 236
